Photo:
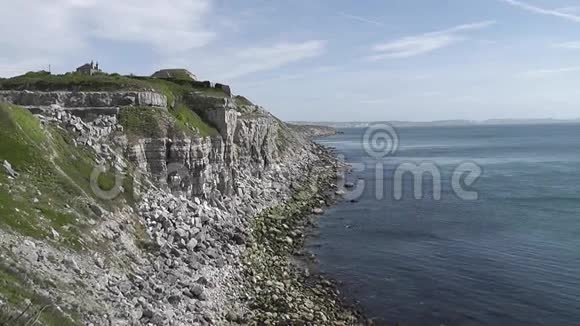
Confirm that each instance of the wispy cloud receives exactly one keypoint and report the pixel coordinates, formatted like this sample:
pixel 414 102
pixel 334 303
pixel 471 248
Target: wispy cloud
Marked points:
pixel 310 73
pixel 419 44
pixel 258 59
pixel 361 19
pixel 568 45
pixel 569 9
pixel 466 27
pixel 412 46
pixel 375 101
pixel 552 71
pixel 564 13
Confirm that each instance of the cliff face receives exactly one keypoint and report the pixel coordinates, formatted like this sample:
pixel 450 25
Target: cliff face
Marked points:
pixel 83 99
pixel 197 166
pixel 196 197
pixel 208 167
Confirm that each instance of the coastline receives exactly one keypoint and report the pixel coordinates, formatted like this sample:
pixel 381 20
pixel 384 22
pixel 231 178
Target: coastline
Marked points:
pixel 281 286
pixel 227 255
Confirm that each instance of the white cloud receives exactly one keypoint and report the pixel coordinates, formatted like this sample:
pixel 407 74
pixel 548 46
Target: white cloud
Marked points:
pixel 466 27
pixel 40 31
pixel 548 72
pixel 569 9
pixel 361 19
pixel 565 14
pixel 36 33
pixel 568 45
pixel 169 26
pixel 256 59
pixel 415 45
pixel 36 25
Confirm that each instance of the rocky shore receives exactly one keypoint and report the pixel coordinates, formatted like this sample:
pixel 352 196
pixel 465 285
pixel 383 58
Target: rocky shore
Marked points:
pixel 281 289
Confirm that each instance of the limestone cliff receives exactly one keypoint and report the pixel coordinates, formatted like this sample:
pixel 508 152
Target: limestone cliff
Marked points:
pixel 155 240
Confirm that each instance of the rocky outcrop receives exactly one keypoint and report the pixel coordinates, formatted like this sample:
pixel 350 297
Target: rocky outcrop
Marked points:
pixel 313 131
pixel 88 133
pixel 209 167
pixel 225 88
pixel 69 99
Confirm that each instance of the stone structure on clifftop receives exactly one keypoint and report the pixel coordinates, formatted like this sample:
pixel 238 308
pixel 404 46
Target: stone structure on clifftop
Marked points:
pixel 174 74
pixel 89 69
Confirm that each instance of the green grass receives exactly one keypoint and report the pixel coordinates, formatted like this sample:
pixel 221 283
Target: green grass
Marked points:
pixel 40 81
pixel 172 88
pixel 22 137
pixel 139 122
pixel 25 145
pixel 143 122
pixel 188 120
pixel 53 188
pixel 176 89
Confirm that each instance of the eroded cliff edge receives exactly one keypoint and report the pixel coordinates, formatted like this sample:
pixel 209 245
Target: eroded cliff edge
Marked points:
pixel 135 205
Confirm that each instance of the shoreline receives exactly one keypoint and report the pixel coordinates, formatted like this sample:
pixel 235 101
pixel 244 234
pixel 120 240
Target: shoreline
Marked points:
pixel 282 287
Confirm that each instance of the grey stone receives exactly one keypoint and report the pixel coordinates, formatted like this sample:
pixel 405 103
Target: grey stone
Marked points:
pixel 239 239
pixel 97 210
pixel 8 169
pixel 198 292
pixel 318 211
pixel 192 244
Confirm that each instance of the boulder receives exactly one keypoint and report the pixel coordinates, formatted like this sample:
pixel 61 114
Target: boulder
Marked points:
pixel 9 170
pixel 318 211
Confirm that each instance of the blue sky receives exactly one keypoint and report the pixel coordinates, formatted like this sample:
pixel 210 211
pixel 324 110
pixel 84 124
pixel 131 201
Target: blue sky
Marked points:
pixel 337 60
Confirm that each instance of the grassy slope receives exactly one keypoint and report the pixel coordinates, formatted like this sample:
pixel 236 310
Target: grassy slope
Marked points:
pixel 156 123
pixel 13 288
pixel 52 191
pixel 53 172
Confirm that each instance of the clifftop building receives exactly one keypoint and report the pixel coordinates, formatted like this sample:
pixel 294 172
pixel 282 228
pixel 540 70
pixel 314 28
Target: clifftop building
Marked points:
pixel 183 74
pixel 89 69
